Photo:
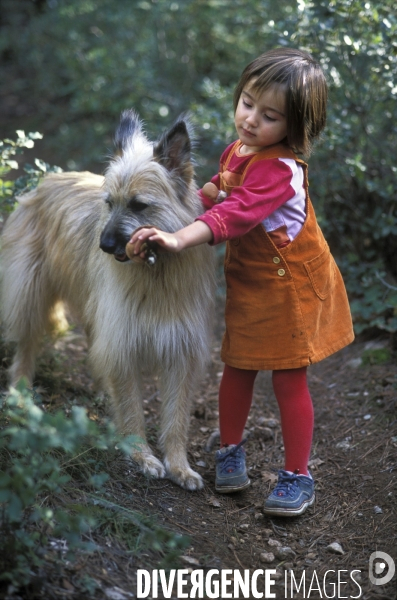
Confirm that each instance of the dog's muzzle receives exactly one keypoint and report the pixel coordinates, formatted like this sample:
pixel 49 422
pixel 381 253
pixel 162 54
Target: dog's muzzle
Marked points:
pixel 111 245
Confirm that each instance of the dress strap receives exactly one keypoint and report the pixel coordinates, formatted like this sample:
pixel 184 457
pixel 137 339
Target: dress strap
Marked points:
pixel 275 151
pixel 231 152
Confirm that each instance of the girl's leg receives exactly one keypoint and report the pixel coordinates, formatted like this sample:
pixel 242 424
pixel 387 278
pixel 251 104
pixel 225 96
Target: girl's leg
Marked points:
pixel 235 397
pixel 297 419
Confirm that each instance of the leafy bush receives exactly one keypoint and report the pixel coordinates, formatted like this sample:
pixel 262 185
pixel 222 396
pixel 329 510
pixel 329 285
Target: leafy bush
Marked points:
pixel 373 298
pixel 9 187
pixel 37 452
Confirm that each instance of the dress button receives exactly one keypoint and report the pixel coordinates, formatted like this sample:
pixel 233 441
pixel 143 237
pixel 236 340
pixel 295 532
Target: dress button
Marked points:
pixel 281 272
pixel 276 260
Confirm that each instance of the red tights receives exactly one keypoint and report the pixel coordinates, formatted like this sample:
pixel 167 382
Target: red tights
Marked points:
pixel 295 405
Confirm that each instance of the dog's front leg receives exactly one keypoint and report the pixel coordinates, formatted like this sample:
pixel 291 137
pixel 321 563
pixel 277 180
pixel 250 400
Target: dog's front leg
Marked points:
pixel 176 388
pixel 130 419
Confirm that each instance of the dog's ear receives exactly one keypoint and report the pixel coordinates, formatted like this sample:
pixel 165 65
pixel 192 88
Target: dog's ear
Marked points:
pixel 173 150
pixel 129 126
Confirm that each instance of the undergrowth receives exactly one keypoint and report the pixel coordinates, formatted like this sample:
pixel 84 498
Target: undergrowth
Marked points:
pixel 53 490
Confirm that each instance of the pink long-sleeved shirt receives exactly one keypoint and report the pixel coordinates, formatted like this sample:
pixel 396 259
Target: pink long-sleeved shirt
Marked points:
pixel 272 194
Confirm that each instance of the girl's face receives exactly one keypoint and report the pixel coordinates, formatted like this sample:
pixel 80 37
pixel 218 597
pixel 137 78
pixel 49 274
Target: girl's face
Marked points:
pixel 260 118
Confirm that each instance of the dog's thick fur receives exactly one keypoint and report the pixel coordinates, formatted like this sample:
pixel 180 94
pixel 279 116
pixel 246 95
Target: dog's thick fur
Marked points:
pixel 66 243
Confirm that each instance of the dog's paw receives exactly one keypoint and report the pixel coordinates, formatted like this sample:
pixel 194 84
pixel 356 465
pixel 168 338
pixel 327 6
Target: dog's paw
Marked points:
pixel 150 466
pixel 185 477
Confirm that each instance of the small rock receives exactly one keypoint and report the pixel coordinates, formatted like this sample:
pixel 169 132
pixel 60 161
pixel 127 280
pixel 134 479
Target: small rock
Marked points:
pixel 378 510
pixel 284 552
pixel 277 575
pixel 258 516
pixel 274 543
pixel 343 445
pixel 267 557
pixel 311 555
pixel 367 417
pixel 267 532
pixel 59 545
pixel 266 433
pixel 336 548
pixel 190 560
pixel 354 363
pixel 272 423
pixel 243 527
pixel 201 463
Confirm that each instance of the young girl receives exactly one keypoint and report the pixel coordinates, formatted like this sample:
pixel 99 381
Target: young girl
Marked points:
pixel 286 304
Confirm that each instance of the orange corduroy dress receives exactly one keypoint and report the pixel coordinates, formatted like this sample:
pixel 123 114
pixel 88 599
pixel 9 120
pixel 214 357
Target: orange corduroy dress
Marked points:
pixel 285 307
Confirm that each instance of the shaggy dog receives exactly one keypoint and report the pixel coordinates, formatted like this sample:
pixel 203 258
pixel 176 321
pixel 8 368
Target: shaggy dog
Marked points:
pixel 66 243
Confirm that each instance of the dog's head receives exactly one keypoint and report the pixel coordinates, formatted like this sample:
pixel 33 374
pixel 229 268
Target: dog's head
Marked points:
pixel 148 183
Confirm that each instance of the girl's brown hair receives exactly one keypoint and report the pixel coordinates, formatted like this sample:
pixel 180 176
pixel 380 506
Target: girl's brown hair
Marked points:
pixel 306 92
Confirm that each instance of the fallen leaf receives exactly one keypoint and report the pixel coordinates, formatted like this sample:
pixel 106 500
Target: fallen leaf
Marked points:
pixel 272 477
pixel 214 501
pixel 67 585
pixel 316 462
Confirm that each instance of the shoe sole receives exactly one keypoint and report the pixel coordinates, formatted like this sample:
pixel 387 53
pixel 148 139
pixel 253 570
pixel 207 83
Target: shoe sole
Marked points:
pixel 230 489
pixel 289 512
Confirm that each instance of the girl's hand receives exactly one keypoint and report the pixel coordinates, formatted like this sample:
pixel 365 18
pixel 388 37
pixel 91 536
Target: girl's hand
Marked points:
pixel 168 241
pixel 194 234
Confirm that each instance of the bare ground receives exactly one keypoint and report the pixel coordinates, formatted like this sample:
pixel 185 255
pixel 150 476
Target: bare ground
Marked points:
pixel 354 463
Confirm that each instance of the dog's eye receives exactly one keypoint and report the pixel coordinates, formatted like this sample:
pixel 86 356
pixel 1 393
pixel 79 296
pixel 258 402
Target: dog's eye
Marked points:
pixel 109 202
pixel 136 205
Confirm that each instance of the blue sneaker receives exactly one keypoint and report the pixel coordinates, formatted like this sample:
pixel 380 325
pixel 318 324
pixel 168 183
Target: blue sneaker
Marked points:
pixel 291 496
pixel 231 472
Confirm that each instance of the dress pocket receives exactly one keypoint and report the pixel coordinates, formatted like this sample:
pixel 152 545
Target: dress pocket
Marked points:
pixel 321 272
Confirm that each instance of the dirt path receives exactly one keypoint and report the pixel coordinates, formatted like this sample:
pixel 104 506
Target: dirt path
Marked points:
pixel 354 463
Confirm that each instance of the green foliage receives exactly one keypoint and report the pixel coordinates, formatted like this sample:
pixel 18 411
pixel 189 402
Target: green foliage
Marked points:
pixel 356 44
pixel 9 188
pixel 137 531
pixel 373 299
pixel 378 356
pixel 40 453
pixel 79 63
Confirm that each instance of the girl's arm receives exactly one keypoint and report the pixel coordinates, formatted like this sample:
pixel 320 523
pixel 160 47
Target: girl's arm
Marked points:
pixel 267 185
pixel 193 235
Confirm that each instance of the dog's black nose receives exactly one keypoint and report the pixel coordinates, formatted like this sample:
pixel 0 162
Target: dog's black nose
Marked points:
pixel 108 242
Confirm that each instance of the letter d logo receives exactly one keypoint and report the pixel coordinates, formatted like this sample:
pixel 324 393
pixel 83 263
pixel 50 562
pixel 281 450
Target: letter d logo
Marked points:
pixel 383 560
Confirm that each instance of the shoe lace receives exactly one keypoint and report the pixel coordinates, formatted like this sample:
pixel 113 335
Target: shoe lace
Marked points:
pixel 231 460
pixel 286 485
